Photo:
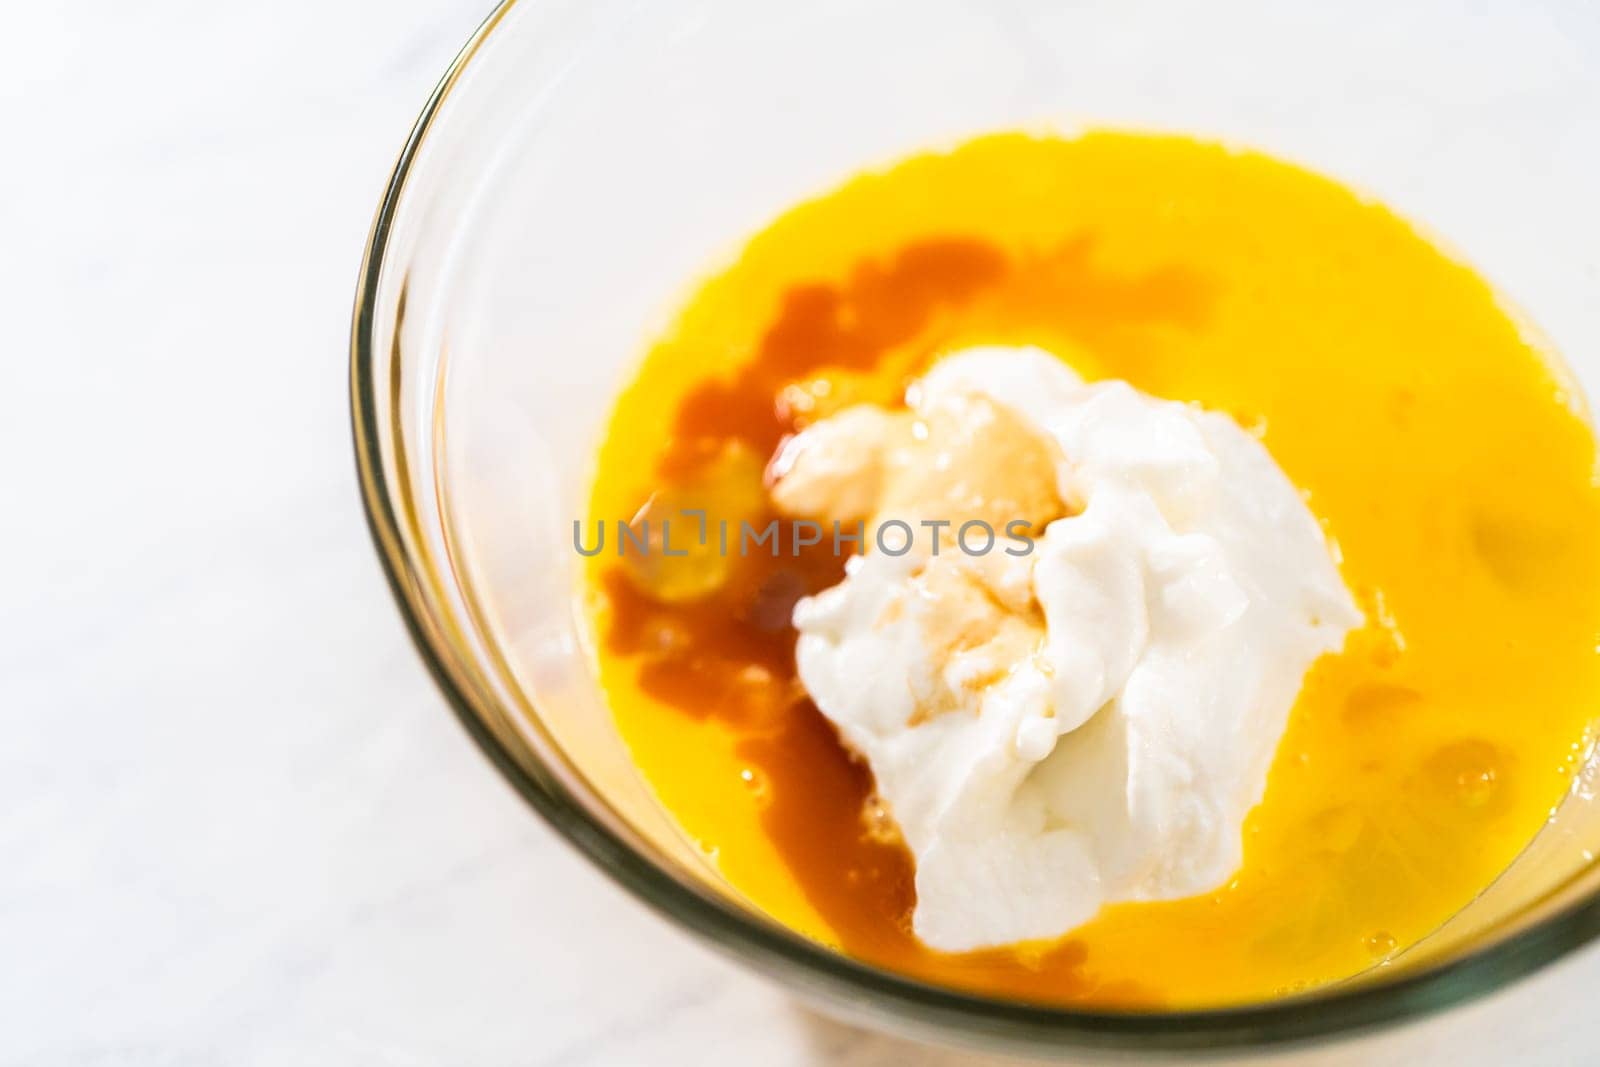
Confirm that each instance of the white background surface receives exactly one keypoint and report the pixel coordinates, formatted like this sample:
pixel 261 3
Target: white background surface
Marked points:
pixel 237 823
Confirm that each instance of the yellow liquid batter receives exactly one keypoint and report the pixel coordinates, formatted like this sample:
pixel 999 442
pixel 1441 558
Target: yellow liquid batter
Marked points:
pixel 1444 450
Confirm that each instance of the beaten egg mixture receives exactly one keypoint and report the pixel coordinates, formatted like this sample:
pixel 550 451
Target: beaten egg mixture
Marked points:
pixel 1447 458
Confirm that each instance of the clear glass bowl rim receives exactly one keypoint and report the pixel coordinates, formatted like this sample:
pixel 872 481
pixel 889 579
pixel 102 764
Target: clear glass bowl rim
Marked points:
pixel 807 967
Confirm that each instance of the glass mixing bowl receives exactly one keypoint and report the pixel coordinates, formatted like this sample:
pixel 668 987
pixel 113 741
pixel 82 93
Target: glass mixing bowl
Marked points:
pixel 584 162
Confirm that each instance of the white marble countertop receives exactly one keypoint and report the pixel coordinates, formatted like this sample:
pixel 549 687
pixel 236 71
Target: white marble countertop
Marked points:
pixel 237 823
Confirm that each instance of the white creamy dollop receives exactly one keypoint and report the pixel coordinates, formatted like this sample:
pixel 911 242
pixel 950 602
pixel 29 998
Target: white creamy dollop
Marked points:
pixel 1088 722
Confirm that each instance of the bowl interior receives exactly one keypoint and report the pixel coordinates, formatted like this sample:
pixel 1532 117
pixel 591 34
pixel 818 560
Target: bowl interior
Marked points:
pixel 589 161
